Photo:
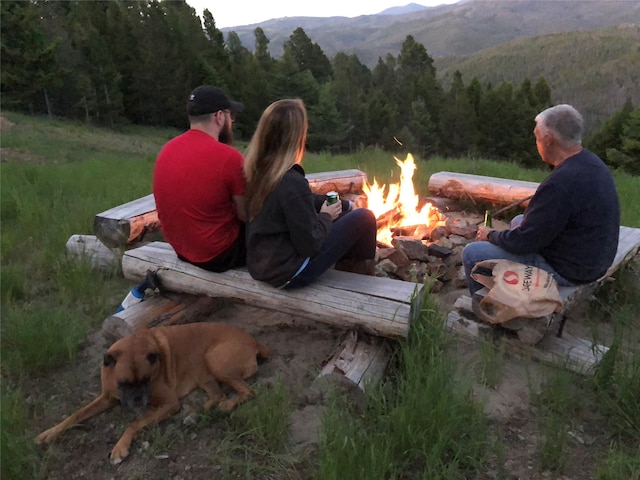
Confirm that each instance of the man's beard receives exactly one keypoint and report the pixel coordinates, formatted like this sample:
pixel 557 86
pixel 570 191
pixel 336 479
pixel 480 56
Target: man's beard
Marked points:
pixel 226 134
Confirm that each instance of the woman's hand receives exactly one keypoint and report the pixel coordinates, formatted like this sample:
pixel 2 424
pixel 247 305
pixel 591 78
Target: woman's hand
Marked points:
pixel 333 210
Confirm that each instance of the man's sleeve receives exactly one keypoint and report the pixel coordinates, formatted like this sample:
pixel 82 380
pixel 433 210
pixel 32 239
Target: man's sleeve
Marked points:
pixel 546 216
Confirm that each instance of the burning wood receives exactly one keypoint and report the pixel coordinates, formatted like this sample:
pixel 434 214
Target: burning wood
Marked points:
pixel 397 205
pixel 418 231
pixel 390 217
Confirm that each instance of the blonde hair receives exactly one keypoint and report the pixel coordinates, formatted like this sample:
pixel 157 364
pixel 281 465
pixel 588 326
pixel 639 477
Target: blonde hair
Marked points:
pixel 277 144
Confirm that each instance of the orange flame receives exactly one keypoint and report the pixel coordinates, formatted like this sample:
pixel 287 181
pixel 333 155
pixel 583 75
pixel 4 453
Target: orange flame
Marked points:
pixel 400 203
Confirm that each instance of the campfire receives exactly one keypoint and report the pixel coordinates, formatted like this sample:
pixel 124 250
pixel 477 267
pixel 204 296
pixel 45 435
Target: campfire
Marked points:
pixel 397 207
pixel 415 239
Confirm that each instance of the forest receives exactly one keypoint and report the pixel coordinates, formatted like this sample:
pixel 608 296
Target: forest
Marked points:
pixel 117 63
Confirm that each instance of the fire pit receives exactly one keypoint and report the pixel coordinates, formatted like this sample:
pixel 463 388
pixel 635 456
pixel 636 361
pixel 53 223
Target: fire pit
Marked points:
pixel 416 239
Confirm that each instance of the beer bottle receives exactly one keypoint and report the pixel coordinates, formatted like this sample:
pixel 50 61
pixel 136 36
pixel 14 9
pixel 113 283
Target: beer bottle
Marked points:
pixel 487 219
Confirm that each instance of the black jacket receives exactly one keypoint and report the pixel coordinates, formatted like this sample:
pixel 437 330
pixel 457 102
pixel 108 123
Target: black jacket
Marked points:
pixel 573 220
pixel 287 230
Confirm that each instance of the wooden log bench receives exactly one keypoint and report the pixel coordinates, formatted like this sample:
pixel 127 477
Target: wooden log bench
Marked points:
pixel 360 361
pixel 481 189
pixel 556 348
pixel 378 306
pixel 129 223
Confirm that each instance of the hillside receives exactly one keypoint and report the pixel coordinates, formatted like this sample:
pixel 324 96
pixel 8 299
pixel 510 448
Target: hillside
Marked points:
pixel 586 50
pixel 445 30
pixel 594 70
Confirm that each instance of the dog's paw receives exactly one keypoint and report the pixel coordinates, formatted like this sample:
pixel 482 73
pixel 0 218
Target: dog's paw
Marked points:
pixel 227 405
pixel 46 436
pixel 119 453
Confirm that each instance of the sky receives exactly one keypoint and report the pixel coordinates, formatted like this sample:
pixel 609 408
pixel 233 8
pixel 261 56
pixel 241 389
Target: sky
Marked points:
pixel 236 13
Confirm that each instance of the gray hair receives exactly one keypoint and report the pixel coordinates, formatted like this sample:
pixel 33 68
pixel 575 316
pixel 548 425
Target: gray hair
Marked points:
pixel 565 122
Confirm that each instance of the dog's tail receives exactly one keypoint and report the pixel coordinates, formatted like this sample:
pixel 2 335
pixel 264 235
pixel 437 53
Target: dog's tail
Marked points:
pixel 263 351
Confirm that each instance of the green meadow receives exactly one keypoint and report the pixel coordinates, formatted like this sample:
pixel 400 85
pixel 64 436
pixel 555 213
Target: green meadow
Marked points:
pixel 422 421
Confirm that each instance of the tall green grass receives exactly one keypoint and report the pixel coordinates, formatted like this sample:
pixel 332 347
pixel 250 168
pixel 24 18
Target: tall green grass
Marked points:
pixel 420 423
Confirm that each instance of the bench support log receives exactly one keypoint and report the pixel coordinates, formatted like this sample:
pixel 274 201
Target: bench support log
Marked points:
pixel 89 248
pixel 360 358
pixel 165 309
pixel 570 352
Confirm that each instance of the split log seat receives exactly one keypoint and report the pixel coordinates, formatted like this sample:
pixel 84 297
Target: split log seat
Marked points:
pixel 128 224
pixel 560 349
pixel 479 188
pixel 377 306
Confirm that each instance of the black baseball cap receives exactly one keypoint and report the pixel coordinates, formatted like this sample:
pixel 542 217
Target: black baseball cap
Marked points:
pixel 209 99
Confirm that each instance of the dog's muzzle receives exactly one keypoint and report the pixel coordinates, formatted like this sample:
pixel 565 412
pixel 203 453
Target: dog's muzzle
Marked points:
pixel 135 395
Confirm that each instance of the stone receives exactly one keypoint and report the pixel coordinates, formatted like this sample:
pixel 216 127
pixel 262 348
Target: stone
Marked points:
pixel 398 257
pixel 460 280
pixel 438 232
pixel 457 240
pixel 414 248
pixel 438 250
pixel 460 226
pixel 387 266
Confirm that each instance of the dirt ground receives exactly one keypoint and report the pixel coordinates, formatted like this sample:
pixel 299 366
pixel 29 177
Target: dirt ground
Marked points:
pixel 299 350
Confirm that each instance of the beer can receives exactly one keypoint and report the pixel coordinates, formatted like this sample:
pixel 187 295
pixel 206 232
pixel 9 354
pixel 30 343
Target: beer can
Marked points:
pixel 332 197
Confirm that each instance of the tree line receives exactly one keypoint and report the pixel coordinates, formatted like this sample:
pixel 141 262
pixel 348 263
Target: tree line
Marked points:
pixel 116 62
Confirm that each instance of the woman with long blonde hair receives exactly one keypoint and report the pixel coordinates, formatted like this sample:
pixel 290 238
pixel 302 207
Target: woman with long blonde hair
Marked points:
pixel 293 235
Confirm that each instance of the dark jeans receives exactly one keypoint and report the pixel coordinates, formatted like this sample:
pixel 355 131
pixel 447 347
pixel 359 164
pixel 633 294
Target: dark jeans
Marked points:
pixel 232 257
pixel 352 237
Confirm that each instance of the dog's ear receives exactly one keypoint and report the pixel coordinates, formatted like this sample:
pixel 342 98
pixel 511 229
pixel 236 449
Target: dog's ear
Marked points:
pixel 153 357
pixel 108 360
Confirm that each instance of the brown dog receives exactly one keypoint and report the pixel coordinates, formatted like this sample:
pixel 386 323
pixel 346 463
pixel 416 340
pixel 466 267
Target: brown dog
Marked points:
pixel 157 367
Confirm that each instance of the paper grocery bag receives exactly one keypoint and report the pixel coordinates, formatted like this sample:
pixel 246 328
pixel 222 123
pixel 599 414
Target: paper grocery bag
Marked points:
pixel 516 290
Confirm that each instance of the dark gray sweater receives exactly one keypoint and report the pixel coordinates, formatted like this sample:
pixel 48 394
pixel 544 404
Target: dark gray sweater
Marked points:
pixel 573 220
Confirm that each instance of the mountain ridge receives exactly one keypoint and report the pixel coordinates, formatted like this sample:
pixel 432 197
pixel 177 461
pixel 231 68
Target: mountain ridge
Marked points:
pixel 445 30
pixel 498 40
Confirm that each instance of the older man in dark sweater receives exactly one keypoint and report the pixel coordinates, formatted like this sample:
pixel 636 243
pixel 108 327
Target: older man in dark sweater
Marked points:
pixel 571 225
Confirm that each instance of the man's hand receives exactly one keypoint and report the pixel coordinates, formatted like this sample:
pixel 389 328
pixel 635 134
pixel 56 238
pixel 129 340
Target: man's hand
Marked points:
pixel 483 233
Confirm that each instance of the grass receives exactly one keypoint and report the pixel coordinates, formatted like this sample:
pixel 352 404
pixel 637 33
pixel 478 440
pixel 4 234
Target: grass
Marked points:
pixel 420 422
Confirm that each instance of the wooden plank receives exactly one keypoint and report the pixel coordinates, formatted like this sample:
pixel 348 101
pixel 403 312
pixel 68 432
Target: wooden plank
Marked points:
pixel 478 188
pixel 361 359
pixel 128 223
pixel 628 247
pixel 337 299
pixel 573 353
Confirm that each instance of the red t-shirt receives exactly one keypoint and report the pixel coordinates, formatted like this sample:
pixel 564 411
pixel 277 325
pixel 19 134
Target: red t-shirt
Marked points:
pixel 194 178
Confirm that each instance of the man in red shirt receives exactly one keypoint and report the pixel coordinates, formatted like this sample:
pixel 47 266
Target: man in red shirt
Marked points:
pixel 198 184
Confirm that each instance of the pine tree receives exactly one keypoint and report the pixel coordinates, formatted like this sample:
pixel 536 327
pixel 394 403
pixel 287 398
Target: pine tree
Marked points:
pixel 350 87
pixel 29 66
pixel 609 134
pixel 308 56
pixel 457 120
